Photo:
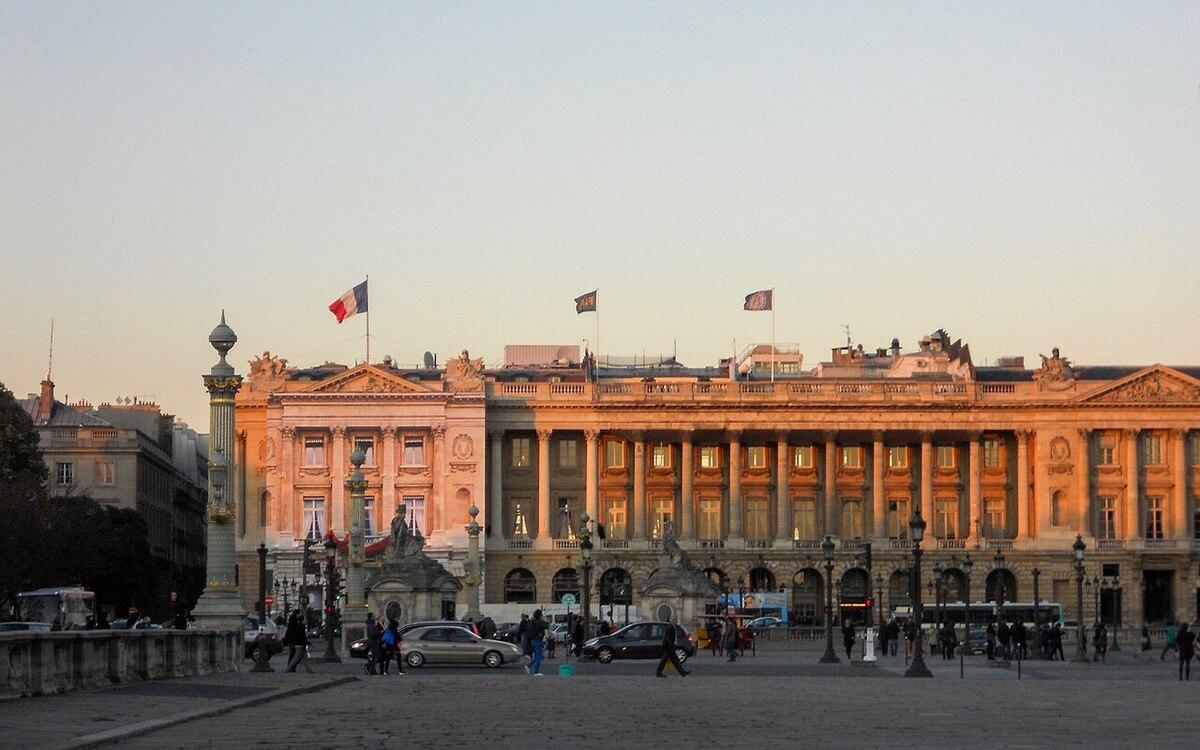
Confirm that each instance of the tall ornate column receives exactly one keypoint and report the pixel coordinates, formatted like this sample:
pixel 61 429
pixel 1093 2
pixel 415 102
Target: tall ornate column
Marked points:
pixel 1179 471
pixel 354 612
pixel 783 494
pixel 592 481
pixel 473 566
pixel 687 484
pixel 1132 494
pixel 240 458
pixel 543 503
pixel 639 486
pixel 735 485
pixel 974 490
pixel 1086 516
pixel 878 501
pixel 495 502
pixel 1022 484
pixel 829 481
pixel 388 511
pixel 435 516
pixel 339 514
pixel 927 475
pixel 220 606
pixel 285 504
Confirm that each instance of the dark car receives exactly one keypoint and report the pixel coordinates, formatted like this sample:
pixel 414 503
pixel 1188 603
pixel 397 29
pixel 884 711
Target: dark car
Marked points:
pixel 358 649
pixel 507 632
pixel 641 640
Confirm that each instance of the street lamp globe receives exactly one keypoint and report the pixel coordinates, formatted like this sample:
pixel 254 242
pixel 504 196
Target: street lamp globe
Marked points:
pixel 916 526
pixel 1078 547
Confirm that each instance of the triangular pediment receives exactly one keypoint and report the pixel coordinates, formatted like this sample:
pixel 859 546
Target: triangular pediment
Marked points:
pixel 1156 384
pixel 367 379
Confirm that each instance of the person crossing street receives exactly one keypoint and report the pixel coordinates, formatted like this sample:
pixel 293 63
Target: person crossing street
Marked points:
pixel 669 654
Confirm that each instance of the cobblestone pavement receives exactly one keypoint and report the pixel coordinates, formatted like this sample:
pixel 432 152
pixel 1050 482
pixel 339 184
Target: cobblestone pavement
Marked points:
pixel 778 696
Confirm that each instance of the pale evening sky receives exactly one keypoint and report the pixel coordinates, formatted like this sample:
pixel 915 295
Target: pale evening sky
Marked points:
pixel 1026 175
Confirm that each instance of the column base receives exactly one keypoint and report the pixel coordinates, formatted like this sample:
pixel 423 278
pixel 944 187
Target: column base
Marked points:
pixel 220 610
pixel 354 626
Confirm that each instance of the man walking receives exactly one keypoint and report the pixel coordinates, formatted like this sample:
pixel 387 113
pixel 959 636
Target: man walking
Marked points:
pixel 1185 640
pixel 296 639
pixel 1172 634
pixel 729 638
pixel 668 654
pixel 848 637
pixel 179 612
pixel 536 633
pixel 372 643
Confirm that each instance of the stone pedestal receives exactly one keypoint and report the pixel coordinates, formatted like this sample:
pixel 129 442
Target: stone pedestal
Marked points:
pixel 411 586
pixel 869 656
pixel 677 591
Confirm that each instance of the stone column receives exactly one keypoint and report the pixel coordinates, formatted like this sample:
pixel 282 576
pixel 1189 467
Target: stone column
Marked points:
pixel 220 606
pixel 474 566
pixel 388 511
pixel 639 486
pixel 783 495
pixel 241 485
pixel 1022 484
pixel 735 485
pixel 1179 471
pixel 435 511
pixel 285 504
pixel 878 501
pixel 926 499
pixel 687 482
pixel 339 514
pixel 495 502
pixel 543 501
pixel 592 481
pixel 1085 482
pixel 830 484
pixel 974 490
pixel 1132 495
pixel 354 613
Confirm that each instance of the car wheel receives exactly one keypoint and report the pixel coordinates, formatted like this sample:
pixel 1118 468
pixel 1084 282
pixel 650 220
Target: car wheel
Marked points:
pixel 605 655
pixel 681 655
pixel 493 659
pixel 414 658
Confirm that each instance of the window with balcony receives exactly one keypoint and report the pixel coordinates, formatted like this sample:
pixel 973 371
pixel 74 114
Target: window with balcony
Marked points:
pixel 614 454
pixel 897 456
pixel 1152 449
pixel 565 518
pixel 616 527
pixel 756 457
pixel 414 509
pixel 521 455
pixel 804 518
pixel 994 518
pixel 852 519
pixel 709 522
pixel 367 446
pixel 1107 526
pixel 945 520
pixel 314 451
pixel 662 512
pixel 568 453
pixel 802 458
pixel 851 457
pixel 945 457
pixel 520 526
pixel 710 457
pixel 897 518
pixel 660 456
pixel 992 456
pixel 757 519
pixel 64 473
pixel 1108 451
pixel 314 518
pixel 1154 518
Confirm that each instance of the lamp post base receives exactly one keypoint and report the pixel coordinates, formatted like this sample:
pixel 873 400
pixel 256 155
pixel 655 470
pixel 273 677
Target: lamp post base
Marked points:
pixel 917 668
pixel 830 657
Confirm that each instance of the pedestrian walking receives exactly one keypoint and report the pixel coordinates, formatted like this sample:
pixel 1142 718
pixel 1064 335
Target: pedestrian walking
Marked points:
pixel 910 638
pixel 893 629
pixel 1056 645
pixel 883 639
pixel 714 637
pixel 949 641
pixel 669 653
pixel 991 641
pixel 577 637
pixel 536 630
pixel 1186 641
pixel 1004 635
pixel 179 612
pixel 487 628
pixel 848 637
pixel 1099 642
pixel 295 637
pixel 551 643
pixel 1172 634
pixel 523 635
pixel 729 639
pixel 1146 639
pixel 372 638
pixel 1020 637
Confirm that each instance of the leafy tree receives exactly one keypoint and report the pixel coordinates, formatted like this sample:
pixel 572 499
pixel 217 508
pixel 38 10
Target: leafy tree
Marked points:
pixel 21 464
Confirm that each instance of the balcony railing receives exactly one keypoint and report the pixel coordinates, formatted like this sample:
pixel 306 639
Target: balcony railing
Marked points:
pixel 712 543
pixel 758 544
pixel 999 544
pixel 780 390
pixel 566 544
pixel 1110 544
pixel 899 544
pixel 854 543
pixel 806 543
pixel 952 544
pixel 614 544
pixel 520 544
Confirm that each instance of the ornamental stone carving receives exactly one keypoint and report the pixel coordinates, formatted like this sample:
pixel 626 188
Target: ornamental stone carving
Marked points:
pixel 464 375
pixel 463 447
pixel 266 450
pixel 267 367
pixel 1154 387
pixel 1060 449
pixel 1056 373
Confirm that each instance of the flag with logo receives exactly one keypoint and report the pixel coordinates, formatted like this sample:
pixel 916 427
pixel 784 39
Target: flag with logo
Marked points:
pixel 351 303
pixel 586 302
pixel 760 300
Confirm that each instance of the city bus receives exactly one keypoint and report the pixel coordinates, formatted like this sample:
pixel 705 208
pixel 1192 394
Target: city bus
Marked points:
pixel 72 606
pixel 984 612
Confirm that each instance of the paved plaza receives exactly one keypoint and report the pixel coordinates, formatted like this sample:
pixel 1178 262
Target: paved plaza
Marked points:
pixel 779 695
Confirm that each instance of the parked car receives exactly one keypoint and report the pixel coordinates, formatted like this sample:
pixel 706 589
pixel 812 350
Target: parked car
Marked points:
pixel 762 623
pixel 445 644
pixel 641 640
pixel 267 636
pixel 17 627
pixel 358 649
pixel 559 633
pixel 507 631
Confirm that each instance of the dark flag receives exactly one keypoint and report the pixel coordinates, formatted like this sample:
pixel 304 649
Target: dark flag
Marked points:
pixel 586 302
pixel 760 300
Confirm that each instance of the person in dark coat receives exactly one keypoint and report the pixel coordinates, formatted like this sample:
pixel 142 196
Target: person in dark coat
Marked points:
pixel 296 639
pixel 991 641
pixel 487 628
pixel 1185 640
pixel 1056 645
pixel 848 637
pixel 132 622
pixel 729 638
pixel 669 655
pixel 714 636
pixel 179 612
pixel 1020 637
pixel 523 635
pixel 372 638
pixel 1004 635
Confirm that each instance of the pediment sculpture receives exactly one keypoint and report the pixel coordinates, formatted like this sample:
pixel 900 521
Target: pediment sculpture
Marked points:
pixel 463 374
pixel 1153 387
pixel 268 367
pixel 1056 372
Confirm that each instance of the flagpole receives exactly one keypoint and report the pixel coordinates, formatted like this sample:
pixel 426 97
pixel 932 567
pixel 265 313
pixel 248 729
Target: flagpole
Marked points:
pixel 597 335
pixel 772 335
pixel 367 281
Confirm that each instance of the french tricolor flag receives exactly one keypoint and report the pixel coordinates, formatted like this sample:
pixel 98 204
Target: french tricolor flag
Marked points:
pixel 350 303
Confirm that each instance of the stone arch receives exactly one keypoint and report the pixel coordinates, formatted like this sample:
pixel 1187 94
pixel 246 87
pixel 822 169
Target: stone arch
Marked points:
pixel 615 587
pixel 761 579
pixel 899 594
pixel 992 583
pixel 808 597
pixel 520 587
pixel 564 581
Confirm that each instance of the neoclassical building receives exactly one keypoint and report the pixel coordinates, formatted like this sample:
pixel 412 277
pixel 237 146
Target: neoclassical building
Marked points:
pixel 753 473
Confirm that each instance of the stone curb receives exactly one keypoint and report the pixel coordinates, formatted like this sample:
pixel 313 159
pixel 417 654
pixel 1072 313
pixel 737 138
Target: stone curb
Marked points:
pixel 153 725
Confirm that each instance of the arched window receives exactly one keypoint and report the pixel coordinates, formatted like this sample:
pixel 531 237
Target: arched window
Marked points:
pixel 1057 501
pixel 716 575
pixel 616 587
pixel 855 589
pixel 993 582
pixel 565 581
pixel 807 597
pixel 762 579
pixel 520 587
pixel 956 585
pixel 898 590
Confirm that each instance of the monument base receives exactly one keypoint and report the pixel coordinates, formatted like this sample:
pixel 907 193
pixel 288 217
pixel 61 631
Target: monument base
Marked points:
pixel 220 610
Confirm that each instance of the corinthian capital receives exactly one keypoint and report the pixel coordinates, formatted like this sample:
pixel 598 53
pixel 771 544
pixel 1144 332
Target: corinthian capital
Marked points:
pixel 389 432
pixel 591 435
pixel 544 434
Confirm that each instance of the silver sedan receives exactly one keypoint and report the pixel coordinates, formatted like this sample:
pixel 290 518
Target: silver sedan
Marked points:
pixel 455 645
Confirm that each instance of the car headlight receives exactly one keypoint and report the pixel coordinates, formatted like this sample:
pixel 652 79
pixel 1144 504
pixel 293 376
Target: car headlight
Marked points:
pixel 592 642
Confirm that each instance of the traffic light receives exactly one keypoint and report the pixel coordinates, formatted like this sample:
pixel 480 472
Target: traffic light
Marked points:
pixel 339 586
pixel 867 553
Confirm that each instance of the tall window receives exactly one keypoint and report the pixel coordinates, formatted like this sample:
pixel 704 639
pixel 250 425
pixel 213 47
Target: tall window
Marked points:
pixel 1152 449
pixel 710 457
pixel 614 454
pixel 64 473
pixel 368 516
pixel 852 519
pixel 314 517
pixel 710 518
pixel 851 456
pixel 991 453
pixel 993 518
pixel 756 457
pixel 568 453
pixel 367 446
pixel 520 527
pixel 1154 518
pixel 1194 441
pixel 522 456
pixel 757 524
pixel 1108 450
pixel 945 457
pixel 804 518
pixel 660 456
pixel 1056 507
pixel 662 511
pixel 1108 518
pixel 414 508
pixel 803 457
pixel 616 526
pixel 105 473
pixel 314 451
pixel 945 524
pixel 897 456
pixel 897 518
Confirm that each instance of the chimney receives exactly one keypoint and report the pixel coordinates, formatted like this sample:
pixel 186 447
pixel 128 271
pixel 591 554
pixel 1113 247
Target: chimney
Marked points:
pixel 46 402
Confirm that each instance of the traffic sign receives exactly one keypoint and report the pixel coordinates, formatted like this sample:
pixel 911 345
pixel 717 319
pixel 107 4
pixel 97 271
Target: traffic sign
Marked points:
pixel 568 600
pixel 269 599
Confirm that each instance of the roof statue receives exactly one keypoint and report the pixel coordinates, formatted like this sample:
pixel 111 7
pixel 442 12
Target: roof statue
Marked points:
pixel 1056 373
pixel 464 375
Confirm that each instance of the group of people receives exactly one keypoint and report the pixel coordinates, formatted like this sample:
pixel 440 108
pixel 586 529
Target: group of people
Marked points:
pixel 1182 641
pixel 723 637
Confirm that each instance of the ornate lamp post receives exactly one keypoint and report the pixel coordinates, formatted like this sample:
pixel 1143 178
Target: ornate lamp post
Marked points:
pixel 585 556
pixel 967 564
pixel 998 565
pixel 1114 645
pixel 331 654
pixel 879 598
pixel 917 668
pixel 262 583
pixel 473 564
pixel 1037 614
pixel 1080 649
pixel 830 656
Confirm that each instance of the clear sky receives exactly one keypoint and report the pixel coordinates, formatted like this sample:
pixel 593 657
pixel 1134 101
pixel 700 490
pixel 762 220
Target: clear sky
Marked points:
pixel 1026 175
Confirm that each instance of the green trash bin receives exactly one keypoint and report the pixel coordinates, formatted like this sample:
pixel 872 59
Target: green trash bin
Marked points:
pixel 566 670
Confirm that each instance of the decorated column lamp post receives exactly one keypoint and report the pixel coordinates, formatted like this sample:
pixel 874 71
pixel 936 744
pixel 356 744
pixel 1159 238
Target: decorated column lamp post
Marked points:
pixel 354 613
pixel 473 565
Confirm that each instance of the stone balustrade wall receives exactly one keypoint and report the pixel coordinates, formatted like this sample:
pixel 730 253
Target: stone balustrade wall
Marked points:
pixel 47 663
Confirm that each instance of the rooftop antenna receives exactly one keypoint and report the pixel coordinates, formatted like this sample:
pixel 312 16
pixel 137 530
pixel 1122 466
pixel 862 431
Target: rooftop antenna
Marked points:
pixel 50 364
pixel 846 328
